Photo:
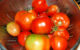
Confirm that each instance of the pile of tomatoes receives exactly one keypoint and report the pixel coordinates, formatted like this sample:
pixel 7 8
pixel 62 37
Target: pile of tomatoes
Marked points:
pixel 41 27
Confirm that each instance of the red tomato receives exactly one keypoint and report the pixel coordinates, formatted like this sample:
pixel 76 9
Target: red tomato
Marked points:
pixel 63 33
pixel 44 14
pixel 13 29
pixel 41 25
pixel 22 37
pixel 61 19
pixel 52 10
pixel 50 35
pixel 59 43
pixel 33 12
pixel 60 28
pixel 19 14
pixel 37 42
pixel 25 20
pixel 39 5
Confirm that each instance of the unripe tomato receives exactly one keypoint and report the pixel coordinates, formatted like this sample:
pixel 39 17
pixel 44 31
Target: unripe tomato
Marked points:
pixel 13 29
pixel 37 42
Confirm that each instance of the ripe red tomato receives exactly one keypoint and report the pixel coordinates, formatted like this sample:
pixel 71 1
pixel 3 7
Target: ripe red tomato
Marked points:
pixel 13 29
pixel 52 10
pixel 25 20
pixel 19 14
pixel 22 37
pixel 33 12
pixel 37 42
pixel 61 19
pixel 62 32
pixel 39 5
pixel 59 43
pixel 41 25
pixel 50 35
pixel 44 14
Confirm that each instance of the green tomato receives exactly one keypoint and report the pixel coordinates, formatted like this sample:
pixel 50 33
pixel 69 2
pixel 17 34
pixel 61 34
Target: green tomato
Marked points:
pixel 37 42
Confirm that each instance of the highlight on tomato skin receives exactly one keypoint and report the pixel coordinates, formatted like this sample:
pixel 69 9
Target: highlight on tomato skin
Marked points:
pixel 13 29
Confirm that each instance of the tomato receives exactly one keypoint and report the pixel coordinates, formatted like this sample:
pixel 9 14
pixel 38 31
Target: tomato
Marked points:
pixel 61 19
pixel 22 37
pixel 19 14
pixel 33 12
pixel 50 35
pixel 44 14
pixel 62 32
pixel 52 10
pixel 13 29
pixel 41 25
pixel 37 42
pixel 60 28
pixel 25 20
pixel 59 43
pixel 39 5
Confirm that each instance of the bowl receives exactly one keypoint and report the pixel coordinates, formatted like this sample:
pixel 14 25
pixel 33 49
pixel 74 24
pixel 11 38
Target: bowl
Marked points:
pixel 8 9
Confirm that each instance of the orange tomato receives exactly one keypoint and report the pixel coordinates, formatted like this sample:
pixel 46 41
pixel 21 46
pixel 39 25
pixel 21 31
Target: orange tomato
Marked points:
pixel 13 29
pixel 52 10
pixel 25 20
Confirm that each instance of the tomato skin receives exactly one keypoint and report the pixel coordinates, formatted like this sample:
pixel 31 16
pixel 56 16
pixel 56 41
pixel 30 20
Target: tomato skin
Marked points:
pixel 61 31
pixel 25 20
pixel 37 42
pixel 61 19
pixel 19 14
pixel 22 37
pixel 61 28
pixel 13 29
pixel 52 10
pixel 50 35
pixel 42 25
pixel 64 34
pixel 39 5
pixel 44 14
pixel 33 12
pixel 59 43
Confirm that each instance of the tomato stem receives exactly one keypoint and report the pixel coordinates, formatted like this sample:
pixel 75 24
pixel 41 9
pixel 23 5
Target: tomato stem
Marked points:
pixel 54 29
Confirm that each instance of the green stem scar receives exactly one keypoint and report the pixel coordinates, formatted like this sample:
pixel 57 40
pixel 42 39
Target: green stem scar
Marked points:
pixel 59 23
